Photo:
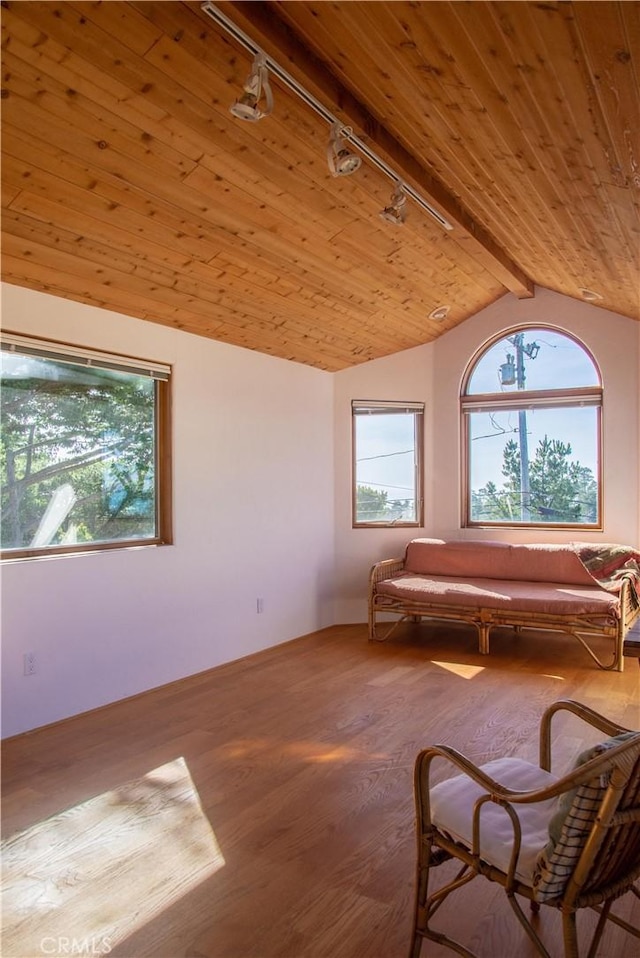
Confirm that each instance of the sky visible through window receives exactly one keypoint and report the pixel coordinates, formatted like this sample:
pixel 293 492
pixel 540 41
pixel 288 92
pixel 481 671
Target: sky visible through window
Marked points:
pixel 385 454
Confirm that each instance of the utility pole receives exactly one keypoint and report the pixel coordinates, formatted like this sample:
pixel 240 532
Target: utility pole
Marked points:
pixel 525 488
pixel 509 375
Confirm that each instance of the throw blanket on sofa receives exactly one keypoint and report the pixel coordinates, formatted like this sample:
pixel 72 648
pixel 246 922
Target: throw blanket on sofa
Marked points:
pixel 611 565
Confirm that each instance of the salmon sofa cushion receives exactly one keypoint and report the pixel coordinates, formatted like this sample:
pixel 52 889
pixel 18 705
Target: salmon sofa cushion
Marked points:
pixel 504 594
pixel 471 559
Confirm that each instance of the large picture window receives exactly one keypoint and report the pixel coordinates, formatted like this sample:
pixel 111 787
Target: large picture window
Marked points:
pixel 85 449
pixel 531 408
pixel 387 463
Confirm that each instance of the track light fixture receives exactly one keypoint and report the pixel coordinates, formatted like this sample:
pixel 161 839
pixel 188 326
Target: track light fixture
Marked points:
pixel 342 161
pixel 257 83
pixel 396 212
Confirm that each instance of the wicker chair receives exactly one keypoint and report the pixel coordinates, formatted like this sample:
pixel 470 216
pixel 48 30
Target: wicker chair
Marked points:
pixel 570 842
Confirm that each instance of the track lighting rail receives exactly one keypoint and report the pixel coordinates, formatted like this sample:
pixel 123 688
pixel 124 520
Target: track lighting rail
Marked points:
pixel 292 84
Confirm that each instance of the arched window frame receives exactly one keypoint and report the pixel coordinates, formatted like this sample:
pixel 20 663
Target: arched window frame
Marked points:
pixel 561 398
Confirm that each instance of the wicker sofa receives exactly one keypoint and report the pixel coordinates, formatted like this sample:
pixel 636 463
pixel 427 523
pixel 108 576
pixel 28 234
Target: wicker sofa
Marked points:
pixel 584 590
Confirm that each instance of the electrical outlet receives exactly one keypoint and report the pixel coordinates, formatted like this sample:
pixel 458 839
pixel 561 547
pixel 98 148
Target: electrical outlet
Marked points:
pixel 259 605
pixel 29 663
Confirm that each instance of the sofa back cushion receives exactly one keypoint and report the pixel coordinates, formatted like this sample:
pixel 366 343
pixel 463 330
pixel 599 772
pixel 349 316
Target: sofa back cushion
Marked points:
pixel 473 559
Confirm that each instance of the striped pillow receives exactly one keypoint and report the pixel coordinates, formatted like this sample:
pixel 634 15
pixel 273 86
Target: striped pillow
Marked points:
pixel 570 826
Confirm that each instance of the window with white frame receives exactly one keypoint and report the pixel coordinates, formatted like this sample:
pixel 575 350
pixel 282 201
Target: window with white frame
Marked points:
pixel 531 407
pixel 85 449
pixel 387 463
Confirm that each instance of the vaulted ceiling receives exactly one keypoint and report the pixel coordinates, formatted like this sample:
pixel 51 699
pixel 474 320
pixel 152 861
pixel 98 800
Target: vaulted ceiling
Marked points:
pixel 127 183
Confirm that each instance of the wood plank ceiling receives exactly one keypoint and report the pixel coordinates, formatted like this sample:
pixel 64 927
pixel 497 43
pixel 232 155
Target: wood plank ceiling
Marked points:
pixel 128 184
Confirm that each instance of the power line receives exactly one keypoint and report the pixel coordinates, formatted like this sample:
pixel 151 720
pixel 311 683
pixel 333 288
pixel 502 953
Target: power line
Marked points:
pixel 495 435
pixel 382 485
pixel 385 455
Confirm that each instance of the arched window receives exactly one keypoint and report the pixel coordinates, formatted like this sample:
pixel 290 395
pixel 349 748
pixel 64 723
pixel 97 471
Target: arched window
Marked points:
pixel 531 410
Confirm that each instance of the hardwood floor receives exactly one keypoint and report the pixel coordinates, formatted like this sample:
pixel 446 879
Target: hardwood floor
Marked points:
pixel 298 764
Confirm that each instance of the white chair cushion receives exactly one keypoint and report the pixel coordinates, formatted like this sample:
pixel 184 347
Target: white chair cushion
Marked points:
pixel 452 804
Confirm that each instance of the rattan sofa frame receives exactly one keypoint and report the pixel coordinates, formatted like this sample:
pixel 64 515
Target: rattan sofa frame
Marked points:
pixel 581 627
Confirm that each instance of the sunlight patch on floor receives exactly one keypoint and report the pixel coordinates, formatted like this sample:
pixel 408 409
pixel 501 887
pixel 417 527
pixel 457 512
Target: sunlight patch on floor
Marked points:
pixel 463 671
pixel 91 876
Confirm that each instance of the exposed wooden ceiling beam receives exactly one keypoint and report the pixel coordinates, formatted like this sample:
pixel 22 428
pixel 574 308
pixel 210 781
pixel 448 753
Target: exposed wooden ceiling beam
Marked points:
pixel 276 38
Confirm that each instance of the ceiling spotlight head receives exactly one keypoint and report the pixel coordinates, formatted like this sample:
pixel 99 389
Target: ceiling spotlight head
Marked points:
pixel 346 163
pixel 391 214
pixel 341 160
pixel 396 212
pixel 256 84
pixel 246 108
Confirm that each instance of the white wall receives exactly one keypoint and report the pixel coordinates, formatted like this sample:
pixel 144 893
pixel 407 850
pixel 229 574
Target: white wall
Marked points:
pixel 433 374
pixel 253 517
